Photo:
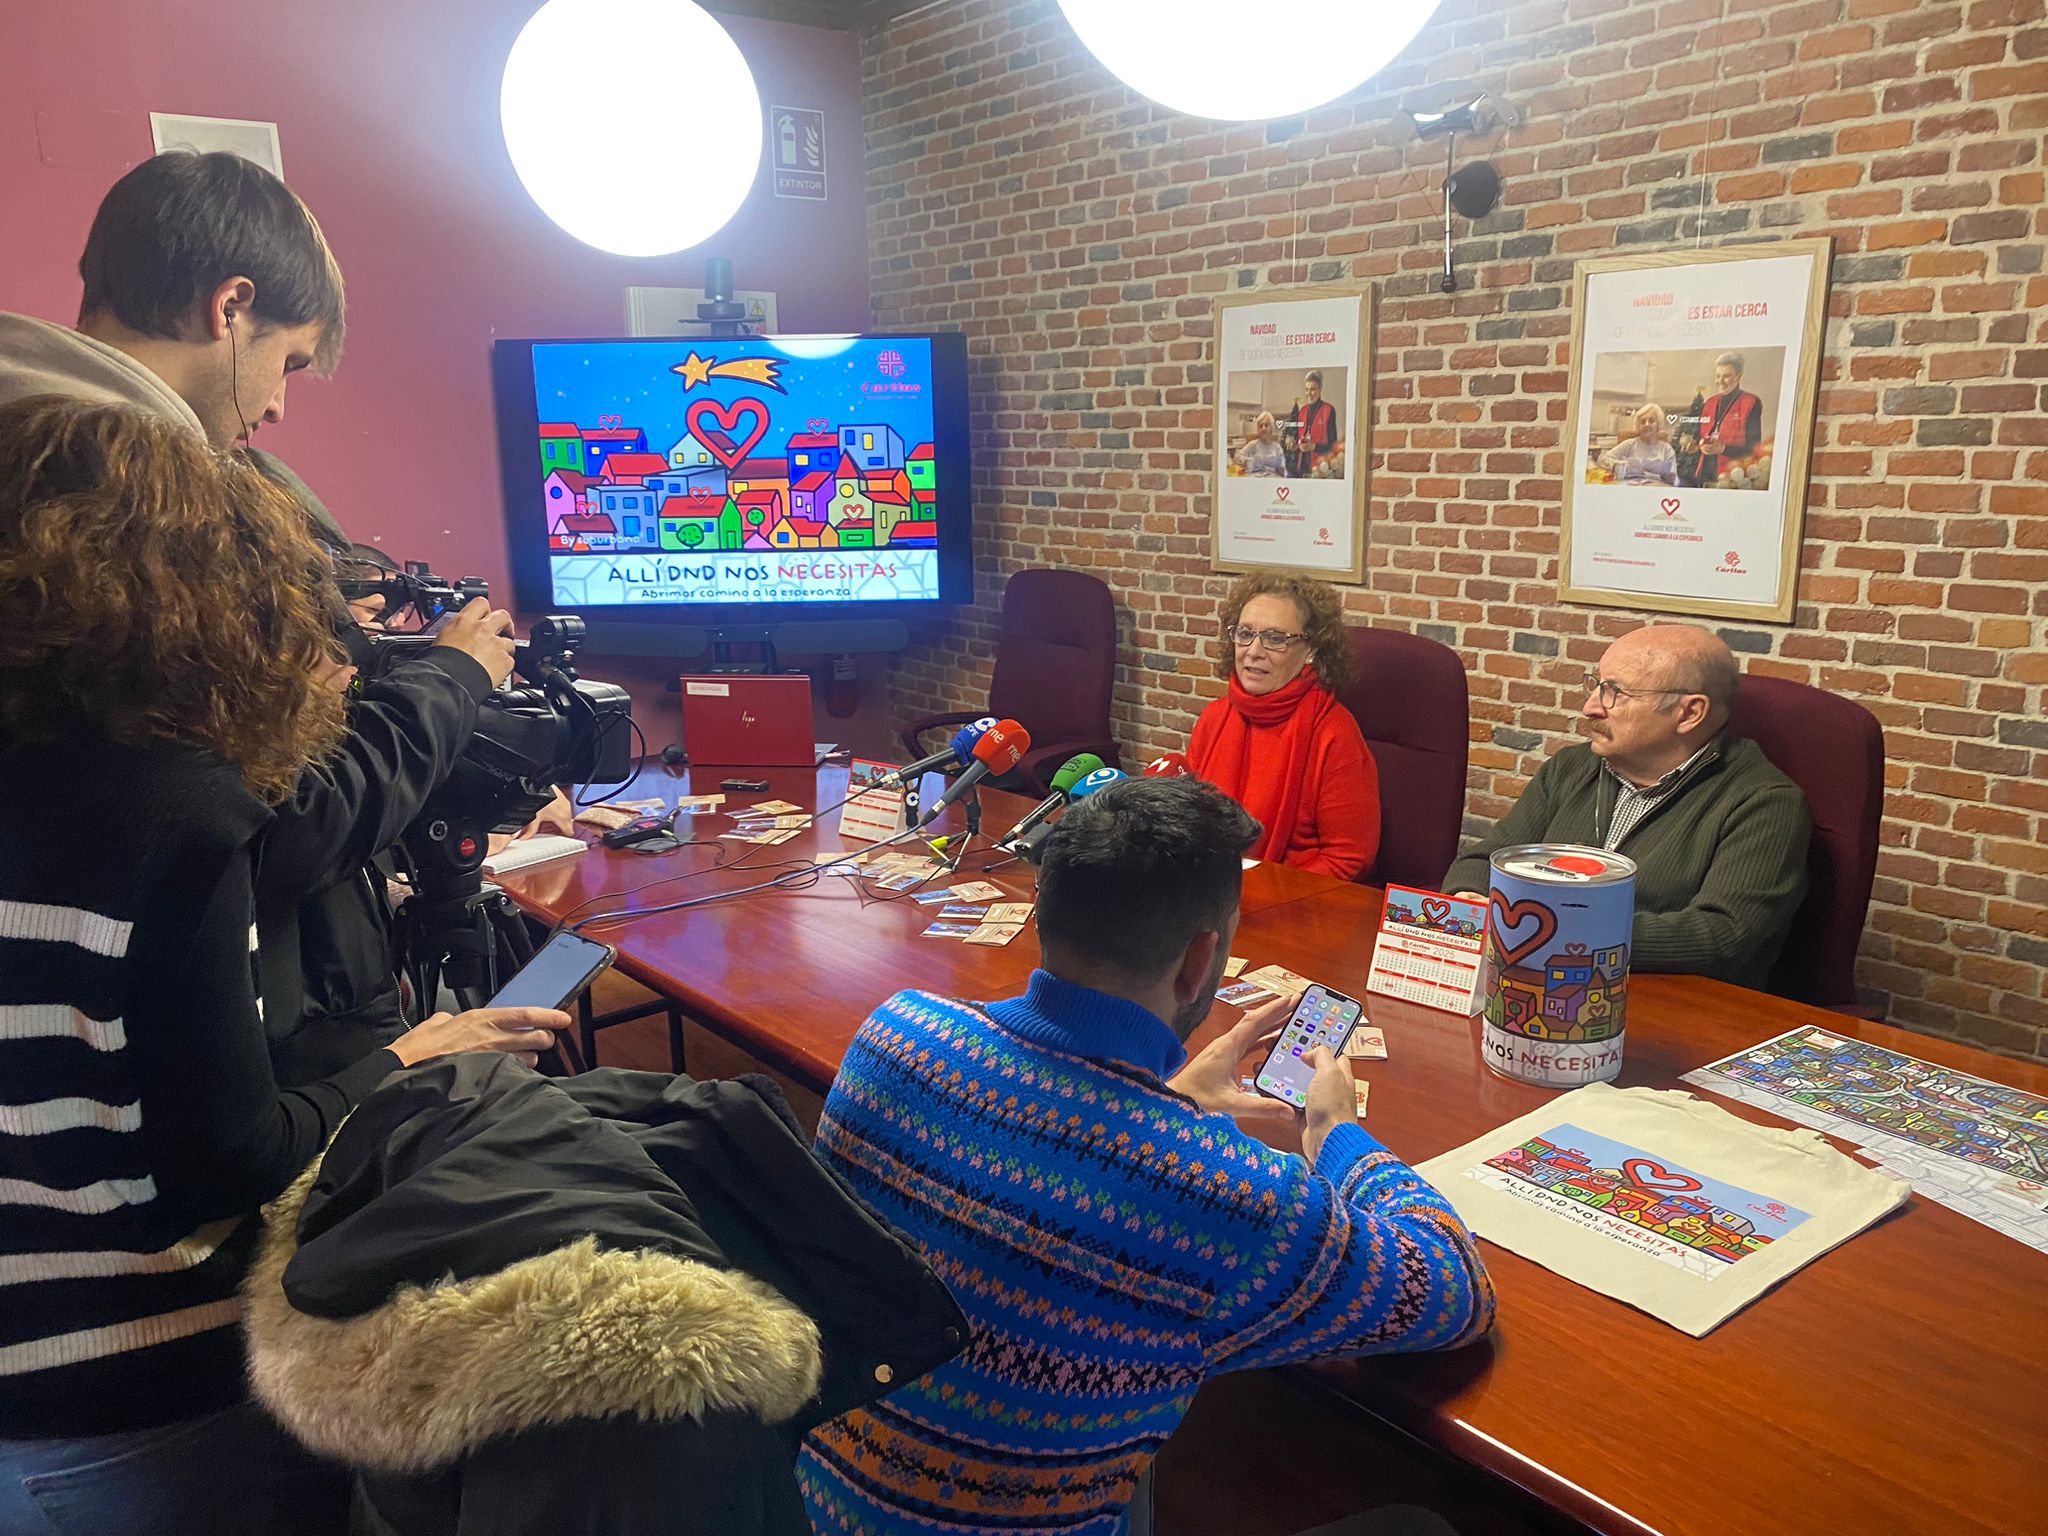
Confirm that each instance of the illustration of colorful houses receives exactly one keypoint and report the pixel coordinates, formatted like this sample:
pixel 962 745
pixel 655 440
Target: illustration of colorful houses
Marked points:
pixel 810 452
pixel 759 475
pixel 850 498
pixel 707 483
pixel 923 468
pixel 913 532
pixel 561 447
pixel 693 452
pixel 691 529
pixel 600 443
pixel 631 468
pixel 802 533
pixel 585 533
pixel 812 496
pixel 758 512
pixel 631 508
pixel 1575 996
pixel 871 447
pixel 566 492
pixel 856 533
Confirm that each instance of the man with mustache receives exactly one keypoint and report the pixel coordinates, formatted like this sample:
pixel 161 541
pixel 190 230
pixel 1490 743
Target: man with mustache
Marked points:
pixel 1717 833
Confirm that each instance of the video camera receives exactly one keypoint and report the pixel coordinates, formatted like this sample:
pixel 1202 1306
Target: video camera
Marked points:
pixel 412 586
pixel 549 727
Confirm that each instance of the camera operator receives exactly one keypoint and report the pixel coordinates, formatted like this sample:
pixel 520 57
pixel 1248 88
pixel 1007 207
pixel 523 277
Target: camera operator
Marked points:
pixel 207 285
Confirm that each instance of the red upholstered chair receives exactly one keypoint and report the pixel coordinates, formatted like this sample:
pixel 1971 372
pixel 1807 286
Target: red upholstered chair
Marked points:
pixel 1408 694
pixel 1833 749
pixel 1055 664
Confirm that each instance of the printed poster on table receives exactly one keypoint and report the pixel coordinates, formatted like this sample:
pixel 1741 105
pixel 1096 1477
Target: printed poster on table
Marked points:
pixel 1293 386
pixel 874 810
pixel 1661 1200
pixel 1691 419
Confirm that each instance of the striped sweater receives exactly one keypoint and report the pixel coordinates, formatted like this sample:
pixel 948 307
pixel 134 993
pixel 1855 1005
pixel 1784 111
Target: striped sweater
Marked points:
pixel 1112 1245
pixel 140 1125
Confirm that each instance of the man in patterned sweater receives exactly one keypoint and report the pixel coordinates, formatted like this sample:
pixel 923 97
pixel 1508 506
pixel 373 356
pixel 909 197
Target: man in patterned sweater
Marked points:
pixel 1111 1233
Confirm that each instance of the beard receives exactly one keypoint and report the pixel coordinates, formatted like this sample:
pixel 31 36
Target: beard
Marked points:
pixel 1189 1019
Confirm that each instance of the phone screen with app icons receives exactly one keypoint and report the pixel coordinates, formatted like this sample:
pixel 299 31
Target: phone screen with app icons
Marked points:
pixel 1322 1017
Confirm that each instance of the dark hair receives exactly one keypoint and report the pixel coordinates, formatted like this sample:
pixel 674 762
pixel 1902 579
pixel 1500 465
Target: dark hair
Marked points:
pixel 1130 875
pixel 157 590
pixel 180 224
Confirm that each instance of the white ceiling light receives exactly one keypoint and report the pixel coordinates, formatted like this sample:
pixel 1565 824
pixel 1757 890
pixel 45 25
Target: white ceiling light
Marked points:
pixel 1226 59
pixel 634 124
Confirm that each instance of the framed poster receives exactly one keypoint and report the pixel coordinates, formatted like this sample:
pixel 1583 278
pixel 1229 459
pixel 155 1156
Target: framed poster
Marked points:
pixel 1293 396
pixel 1691 417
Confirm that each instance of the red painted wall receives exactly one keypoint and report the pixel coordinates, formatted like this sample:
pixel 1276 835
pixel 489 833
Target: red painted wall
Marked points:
pixel 388 116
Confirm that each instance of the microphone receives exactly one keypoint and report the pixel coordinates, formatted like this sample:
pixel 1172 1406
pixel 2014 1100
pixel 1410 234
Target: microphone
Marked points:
pixel 1173 765
pixel 1001 747
pixel 1071 773
pixel 1097 782
pixel 955 754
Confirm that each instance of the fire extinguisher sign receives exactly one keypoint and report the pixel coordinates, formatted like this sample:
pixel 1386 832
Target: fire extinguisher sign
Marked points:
pixel 796 151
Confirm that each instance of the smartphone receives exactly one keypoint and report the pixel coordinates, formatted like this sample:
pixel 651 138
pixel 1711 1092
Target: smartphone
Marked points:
pixel 1322 1017
pixel 556 975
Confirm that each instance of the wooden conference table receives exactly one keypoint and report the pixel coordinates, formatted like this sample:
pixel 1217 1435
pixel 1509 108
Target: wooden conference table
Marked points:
pixel 1898 1384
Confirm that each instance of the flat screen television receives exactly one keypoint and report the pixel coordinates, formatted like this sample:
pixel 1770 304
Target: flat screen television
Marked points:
pixel 748 479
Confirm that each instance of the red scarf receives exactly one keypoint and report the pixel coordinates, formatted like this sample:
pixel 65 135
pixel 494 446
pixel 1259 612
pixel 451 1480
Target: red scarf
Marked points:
pixel 1260 755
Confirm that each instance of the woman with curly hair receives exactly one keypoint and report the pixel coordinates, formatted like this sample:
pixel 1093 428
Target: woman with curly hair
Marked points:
pixel 1278 742
pixel 167 655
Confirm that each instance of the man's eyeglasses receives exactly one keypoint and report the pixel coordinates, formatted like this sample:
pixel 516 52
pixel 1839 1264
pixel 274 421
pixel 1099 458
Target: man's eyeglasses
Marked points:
pixel 1610 692
pixel 1270 639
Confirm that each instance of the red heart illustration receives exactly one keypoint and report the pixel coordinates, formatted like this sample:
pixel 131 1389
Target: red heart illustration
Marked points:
pixel 1505 917
pixel 1670 506
pixel 817 423
pixel 1435 908
pixel 728 419
pixel 610 423
pixel 1646 1174
pixel 1281 491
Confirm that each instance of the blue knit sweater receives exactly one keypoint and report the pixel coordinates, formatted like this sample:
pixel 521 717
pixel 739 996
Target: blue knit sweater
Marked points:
pixel 1112 1245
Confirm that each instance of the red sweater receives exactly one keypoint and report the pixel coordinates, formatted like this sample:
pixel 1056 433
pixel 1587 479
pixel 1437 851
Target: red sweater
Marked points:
pixel 1296 761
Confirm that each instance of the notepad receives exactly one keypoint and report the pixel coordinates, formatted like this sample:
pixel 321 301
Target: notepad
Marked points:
pixel 529 851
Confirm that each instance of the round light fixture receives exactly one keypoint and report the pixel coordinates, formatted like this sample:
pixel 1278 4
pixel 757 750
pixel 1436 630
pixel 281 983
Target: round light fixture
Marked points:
pixel 1221 59
pixel 634 124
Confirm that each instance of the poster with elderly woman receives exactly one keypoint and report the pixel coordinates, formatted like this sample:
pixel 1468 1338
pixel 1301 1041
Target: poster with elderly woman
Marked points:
pixel 1691 416
pixel 1291 384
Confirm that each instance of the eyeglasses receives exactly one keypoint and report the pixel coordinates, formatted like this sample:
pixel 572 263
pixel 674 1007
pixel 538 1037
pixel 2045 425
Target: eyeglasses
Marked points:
pixel 1270 639
pixel 1610 692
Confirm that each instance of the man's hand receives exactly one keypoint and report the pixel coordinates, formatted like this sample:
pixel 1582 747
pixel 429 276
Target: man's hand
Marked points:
pixel 558 816
pixel 1470 895
pixel 1331 1100
pixel 368 612
pixel 1211 1078
pixel 484 634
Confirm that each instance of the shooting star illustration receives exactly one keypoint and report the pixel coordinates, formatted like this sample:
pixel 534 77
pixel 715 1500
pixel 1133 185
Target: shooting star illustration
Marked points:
pixel 697 369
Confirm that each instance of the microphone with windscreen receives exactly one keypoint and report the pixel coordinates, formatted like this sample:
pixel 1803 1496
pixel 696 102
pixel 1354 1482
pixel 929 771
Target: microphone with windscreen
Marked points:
pixel 1170 765
pixel 957 753
pixel 1000 748
pixel 1072 772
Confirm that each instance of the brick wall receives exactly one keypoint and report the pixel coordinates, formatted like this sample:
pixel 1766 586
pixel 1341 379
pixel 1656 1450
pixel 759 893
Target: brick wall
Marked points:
pixel 1080 236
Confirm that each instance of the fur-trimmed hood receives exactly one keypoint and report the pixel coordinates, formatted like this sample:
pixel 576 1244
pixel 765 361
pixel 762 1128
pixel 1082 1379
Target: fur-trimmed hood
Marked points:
pixel 576 1333
pixel 483 1252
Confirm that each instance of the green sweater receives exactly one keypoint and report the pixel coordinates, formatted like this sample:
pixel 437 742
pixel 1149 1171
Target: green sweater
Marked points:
pixel 1720 861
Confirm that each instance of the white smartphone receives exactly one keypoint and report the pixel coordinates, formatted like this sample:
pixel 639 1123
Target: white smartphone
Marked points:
pixel 1322 1017
pixel 556 975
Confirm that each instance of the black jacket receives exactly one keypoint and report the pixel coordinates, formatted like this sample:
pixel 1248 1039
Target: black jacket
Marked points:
pixel 330 990
pixel 611 1303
